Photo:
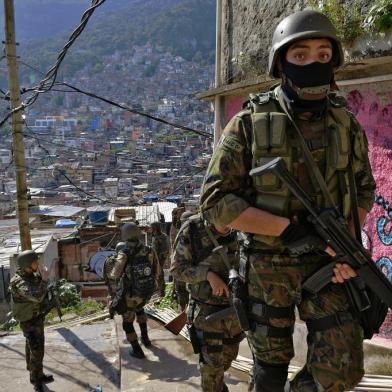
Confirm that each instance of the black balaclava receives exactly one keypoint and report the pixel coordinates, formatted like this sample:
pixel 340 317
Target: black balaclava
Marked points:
pixel 313 78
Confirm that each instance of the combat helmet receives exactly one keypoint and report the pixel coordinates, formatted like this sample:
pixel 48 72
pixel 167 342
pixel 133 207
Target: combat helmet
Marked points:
pixel 130 231
pixel 25 258
pixel 120 246
pixel 302 25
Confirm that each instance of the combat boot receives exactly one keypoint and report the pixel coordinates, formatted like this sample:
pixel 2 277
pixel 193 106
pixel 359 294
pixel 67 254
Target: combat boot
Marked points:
pixel 144 335
pixel 39 387
pixel 136 351
pixel 47 378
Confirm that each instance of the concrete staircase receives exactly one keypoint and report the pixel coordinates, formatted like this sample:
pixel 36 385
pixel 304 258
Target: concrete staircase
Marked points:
pixel 169 366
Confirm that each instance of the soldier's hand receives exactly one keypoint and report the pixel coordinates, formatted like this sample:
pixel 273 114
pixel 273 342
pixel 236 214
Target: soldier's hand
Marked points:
pixel 45 273
pixel 219 287
pixel 342 272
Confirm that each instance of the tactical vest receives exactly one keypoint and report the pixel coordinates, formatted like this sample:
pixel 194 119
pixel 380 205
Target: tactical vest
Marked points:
pixel 139 273
pixel 23 310
pixel 202 254
pixel 272 135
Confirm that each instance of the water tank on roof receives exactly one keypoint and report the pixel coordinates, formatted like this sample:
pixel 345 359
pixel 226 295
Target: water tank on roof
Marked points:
pixel 98 216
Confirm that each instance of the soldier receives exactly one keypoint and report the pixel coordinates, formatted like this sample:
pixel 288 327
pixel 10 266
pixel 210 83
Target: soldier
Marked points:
pixel 160 244
pixel 176 223
pixel 207 273
pixel 136 269
pixel 29 291
pixel 282 248
pixel 112 283
pixel 182 294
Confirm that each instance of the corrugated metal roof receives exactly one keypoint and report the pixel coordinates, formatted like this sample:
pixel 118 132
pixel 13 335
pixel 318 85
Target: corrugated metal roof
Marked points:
pixel 147 214
pixel 10 243
pixel 56 210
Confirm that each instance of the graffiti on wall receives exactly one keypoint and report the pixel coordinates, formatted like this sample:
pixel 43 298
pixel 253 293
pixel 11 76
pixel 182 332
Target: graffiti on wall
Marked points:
pixel 372 106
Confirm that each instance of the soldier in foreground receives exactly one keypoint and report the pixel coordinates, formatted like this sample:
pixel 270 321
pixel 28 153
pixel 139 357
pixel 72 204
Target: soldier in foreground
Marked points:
pixel 29 306
pixel 206 271
pixel 282 248
pixel 136 270
pixel 161 246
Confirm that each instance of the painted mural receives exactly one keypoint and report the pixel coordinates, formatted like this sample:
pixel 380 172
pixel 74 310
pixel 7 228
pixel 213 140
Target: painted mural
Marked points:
pixel 372 105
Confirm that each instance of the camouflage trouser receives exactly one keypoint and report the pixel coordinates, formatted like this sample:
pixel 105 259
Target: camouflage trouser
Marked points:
pixel 135 309
pixel 182 293
pixel 219 342
pixel 33 331
pixel 161 277
pixel 335 355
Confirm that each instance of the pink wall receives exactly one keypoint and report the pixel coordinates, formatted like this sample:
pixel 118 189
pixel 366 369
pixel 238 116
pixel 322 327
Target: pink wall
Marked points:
pixel 372 105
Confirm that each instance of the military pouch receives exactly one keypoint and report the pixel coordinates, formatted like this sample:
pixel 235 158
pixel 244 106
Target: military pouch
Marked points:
pixel 339 146
pixel 119 303
pixel 24 311
pixel 372 318
pixel 194 338
pixel 269 141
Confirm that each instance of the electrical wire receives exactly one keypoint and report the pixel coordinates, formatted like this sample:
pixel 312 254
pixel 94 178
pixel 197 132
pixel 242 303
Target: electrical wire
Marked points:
pixel 51 75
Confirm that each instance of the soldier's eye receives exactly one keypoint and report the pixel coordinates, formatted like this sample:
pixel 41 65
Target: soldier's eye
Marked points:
pixel 325 57
pixel 299 56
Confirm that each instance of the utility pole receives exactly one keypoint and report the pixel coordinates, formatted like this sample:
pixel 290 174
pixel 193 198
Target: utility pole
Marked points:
pixel 17 125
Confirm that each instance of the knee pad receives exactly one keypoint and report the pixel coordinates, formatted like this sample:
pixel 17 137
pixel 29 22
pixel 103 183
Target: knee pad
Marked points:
pixel 128 327
pixel 269 378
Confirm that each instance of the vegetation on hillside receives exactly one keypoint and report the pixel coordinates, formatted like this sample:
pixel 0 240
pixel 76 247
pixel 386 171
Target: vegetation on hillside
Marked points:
pixel 182 27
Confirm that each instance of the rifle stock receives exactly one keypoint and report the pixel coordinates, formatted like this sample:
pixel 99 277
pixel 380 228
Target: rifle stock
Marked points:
pixel 177 324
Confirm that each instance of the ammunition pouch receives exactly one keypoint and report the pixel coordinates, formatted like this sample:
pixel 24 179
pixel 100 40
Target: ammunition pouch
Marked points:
pixel 194 339
pixel 119 304
pixel 372 318
pixel 260 315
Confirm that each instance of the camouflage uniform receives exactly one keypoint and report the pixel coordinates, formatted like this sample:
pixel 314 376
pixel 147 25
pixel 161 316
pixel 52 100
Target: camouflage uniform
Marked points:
pixel 335 355
pixel 191 261
pixel 28 295
pixel 181 293
pixel 134 303
pixel 160 244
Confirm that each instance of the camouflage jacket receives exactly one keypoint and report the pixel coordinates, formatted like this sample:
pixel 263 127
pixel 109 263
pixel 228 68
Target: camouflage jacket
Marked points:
pixel 28 294
pixel 193 257
pixel 160 244
pixel 228 190
pixel 118 267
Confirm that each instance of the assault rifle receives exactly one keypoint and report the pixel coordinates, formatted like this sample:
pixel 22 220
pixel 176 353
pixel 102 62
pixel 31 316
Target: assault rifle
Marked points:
pixel 237 305
pixel 332 228
pixel 54 300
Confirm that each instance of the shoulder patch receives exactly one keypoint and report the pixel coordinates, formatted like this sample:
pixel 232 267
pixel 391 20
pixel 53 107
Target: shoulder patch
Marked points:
pixel 231 143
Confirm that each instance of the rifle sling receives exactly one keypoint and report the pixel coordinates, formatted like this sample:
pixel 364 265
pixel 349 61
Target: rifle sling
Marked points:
pixel 216 245
pixel 309 160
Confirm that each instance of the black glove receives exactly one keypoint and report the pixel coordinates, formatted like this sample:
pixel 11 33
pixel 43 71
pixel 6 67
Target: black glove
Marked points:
pixel 302 238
